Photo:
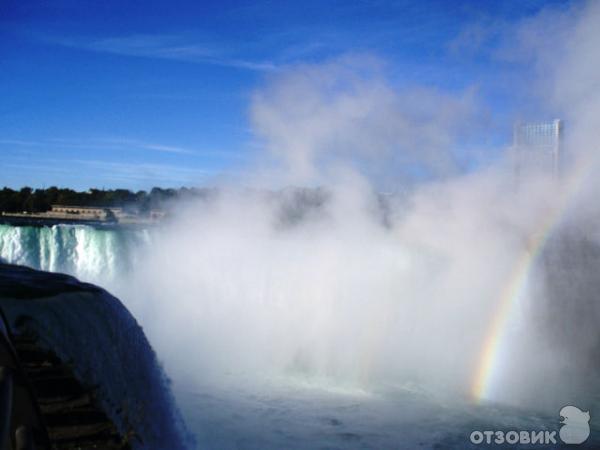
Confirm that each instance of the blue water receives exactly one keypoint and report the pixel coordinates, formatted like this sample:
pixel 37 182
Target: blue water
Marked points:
pixel 294 415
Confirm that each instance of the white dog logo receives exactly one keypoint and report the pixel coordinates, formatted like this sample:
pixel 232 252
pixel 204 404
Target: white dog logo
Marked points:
pixel 576 428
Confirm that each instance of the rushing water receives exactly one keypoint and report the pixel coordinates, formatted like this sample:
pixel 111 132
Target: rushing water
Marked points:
pixel 91 254
pixel 273 412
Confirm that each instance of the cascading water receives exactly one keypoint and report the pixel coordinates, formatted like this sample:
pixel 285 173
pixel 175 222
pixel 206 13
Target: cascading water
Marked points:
pixel 89 253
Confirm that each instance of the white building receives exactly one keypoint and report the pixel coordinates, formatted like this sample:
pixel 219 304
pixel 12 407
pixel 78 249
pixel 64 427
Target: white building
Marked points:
pixel 537 148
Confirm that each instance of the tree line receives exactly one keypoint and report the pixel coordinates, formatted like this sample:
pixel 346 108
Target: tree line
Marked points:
pixel 41 200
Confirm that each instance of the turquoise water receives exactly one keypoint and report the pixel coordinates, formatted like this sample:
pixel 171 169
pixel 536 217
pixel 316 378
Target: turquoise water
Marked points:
pixel 91 254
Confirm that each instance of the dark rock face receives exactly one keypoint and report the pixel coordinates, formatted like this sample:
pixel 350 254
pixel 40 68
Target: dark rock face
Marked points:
pixel 24 283
pixel 71 413
pixel 94 333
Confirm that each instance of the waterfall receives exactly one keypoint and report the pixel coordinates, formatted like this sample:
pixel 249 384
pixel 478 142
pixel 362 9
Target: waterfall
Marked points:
pixel 88 253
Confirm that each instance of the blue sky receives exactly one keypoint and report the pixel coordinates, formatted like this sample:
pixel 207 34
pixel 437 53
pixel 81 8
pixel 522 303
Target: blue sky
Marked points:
pixel 137 94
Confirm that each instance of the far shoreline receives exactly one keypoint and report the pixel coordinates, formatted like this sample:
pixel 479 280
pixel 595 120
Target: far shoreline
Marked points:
pixel 40 222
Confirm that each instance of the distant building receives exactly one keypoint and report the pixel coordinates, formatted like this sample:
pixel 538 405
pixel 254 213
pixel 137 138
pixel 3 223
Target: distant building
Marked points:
pixel 84 212
pixel 537 148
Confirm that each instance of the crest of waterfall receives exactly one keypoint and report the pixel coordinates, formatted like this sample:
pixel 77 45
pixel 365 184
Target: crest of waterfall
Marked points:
pixel 89 253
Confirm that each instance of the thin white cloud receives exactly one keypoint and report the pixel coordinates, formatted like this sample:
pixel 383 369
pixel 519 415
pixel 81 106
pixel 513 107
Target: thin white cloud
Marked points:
pixel 111 172
pixel 156 173
pixel 177 48
pixel 124 143
pixel 37 167
pixel 114 143
pixel 19 142
pixel 135 143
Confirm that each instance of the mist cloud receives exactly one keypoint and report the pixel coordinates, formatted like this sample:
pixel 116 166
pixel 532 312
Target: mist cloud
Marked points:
pixel 349 285
pixel 314 117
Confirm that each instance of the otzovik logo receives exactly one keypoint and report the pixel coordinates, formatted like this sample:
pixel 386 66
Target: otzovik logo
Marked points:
pixel 575 429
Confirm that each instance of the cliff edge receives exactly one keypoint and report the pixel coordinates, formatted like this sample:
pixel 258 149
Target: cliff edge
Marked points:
pixel 91 331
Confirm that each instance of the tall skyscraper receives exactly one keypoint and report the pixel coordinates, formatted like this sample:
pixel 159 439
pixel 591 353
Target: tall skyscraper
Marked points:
pixel 537 148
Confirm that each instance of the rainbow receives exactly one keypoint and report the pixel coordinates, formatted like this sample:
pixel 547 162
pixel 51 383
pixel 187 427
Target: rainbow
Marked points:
pixel 516 285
